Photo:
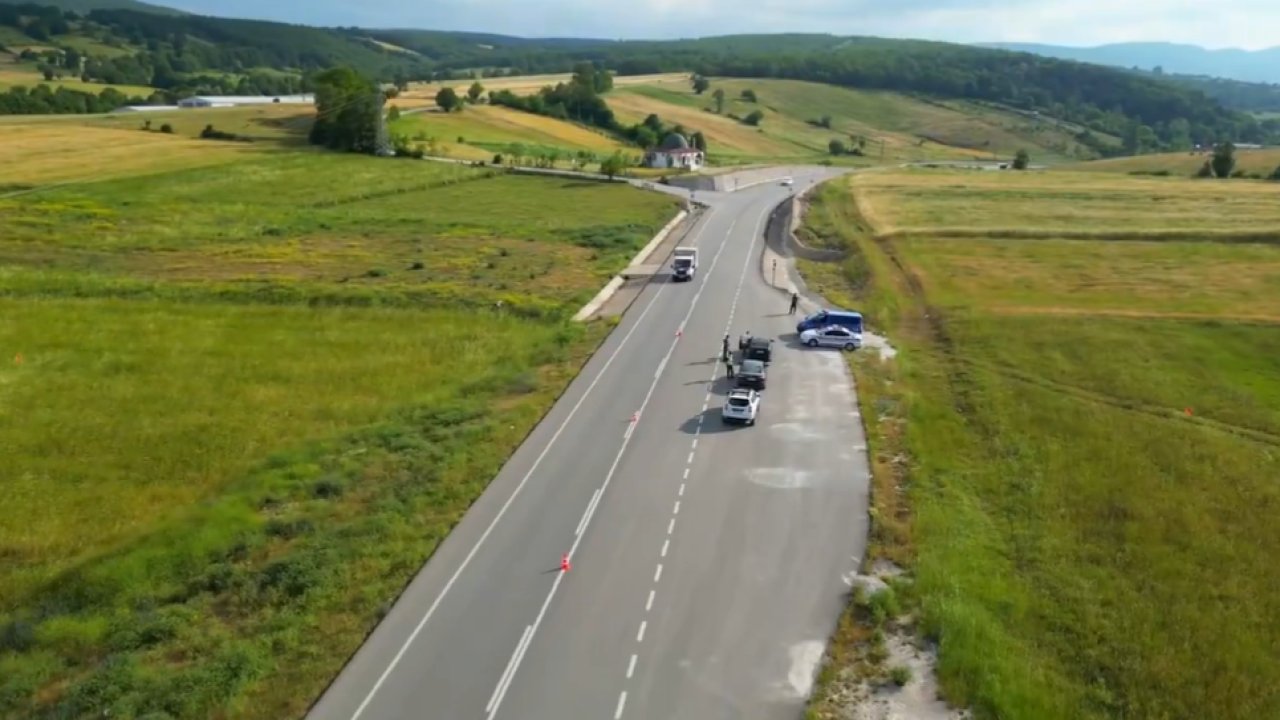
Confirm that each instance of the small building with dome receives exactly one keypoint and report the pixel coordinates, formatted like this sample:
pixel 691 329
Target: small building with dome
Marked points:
pixel 675 153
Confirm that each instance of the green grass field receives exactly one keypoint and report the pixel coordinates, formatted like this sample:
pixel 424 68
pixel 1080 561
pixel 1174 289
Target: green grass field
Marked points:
pixel 242 404
pixel 1254 162
pixel 1090 437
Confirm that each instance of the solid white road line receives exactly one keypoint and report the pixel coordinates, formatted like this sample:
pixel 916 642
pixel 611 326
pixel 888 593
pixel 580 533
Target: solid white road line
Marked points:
pixel 506 674
pixel 586 514
pixel 555 585
pixel 631 667
pixel 622 703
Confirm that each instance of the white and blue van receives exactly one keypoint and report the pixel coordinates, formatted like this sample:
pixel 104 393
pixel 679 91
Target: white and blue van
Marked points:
pixel 827 318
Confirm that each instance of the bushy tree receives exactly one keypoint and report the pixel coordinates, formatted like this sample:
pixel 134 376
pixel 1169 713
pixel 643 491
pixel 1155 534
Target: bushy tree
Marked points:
pixel 393 114
pixel 1224 159
pixel 699 141
pixel 475 91
pixel 1021 160
pixel 700 84
pixel 837 147
pixel 448 99
pixel 1206 170
pixel 348 111
pixel 749 95
pixel 718 96
pixel 1275 174
pixel 754 118
pixel 613 165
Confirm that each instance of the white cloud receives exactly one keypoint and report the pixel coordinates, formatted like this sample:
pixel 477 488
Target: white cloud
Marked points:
pixel 1249 24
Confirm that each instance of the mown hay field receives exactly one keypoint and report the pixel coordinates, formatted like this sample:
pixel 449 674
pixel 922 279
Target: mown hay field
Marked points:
pixel 1076 448
pixel 242 404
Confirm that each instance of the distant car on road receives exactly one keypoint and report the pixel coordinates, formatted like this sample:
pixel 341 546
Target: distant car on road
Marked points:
pixel 832 336
pixel 741 406
pixel 788 182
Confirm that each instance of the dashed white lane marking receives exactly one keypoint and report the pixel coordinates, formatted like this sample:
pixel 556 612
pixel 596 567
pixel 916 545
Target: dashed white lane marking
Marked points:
pixel 671 525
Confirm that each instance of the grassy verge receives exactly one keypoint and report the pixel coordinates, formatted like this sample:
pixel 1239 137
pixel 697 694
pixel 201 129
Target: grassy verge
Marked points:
pixel 241 406
pixel 1088 492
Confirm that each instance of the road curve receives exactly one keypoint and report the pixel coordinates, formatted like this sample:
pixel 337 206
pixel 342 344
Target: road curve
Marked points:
pixel 707 562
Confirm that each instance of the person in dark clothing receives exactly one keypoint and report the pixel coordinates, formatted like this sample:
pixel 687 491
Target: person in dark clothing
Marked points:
pixel 724 348
pixel 728 368
pixel 795 300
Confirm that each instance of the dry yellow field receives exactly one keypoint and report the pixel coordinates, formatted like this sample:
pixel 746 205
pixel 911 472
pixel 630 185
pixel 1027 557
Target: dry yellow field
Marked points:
pixel 1063 204
pixel 42 152
pixel 722 133
pixel 526 84
pixel 1261 162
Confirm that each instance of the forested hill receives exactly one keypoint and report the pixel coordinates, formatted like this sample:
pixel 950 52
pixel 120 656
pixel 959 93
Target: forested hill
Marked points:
pixel 168 51
pixel 1151 111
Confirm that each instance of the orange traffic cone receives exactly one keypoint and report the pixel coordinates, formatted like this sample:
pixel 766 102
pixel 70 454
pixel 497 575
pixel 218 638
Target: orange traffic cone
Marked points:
pixel 564 563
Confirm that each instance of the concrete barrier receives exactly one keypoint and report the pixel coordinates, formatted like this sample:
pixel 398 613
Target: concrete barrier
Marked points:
pixel 613 285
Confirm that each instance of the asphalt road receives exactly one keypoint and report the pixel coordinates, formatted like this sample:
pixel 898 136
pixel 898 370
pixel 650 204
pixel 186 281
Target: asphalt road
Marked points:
pixel 708 563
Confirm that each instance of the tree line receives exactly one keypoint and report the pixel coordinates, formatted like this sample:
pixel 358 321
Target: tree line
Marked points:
pixel 44 100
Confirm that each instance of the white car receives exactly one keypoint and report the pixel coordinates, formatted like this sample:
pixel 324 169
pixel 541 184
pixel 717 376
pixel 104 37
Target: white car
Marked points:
pixel 787 182
pixel 741 406
pixel 832 336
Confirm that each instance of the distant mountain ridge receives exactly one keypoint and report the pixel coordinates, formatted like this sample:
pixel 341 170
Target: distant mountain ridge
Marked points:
pixel 85 6
pixel 1261 66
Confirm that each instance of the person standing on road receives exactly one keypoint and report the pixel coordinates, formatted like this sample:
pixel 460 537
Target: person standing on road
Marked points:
pixel 724 348
pixel 795 300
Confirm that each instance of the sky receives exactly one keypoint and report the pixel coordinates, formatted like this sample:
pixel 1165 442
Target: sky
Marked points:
pixel 1247 24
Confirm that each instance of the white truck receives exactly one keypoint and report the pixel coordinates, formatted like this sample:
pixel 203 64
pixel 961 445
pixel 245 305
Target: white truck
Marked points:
pixel 684 263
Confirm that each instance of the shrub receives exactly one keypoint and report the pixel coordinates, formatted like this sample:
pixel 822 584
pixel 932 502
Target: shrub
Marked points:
pixel 1206 170
pixel 376 273
pixel 497 159
pixel 326 488
pixel 900 675
pixel 166 129
pixel 1275 174
pixel 17 636
pixel 1021 160
pixel 754 118
pixel 883 605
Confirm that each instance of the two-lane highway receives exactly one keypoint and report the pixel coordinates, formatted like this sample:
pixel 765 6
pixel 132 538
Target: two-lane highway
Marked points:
pixel 707 562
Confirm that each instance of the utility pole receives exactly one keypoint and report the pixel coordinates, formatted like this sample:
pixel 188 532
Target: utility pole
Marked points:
pixel 382 139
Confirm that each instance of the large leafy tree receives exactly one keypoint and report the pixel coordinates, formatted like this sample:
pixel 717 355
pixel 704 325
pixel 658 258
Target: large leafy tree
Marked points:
pixel 348 111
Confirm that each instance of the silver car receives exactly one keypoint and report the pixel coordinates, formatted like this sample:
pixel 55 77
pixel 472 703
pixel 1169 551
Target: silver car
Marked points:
pixel 832 336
